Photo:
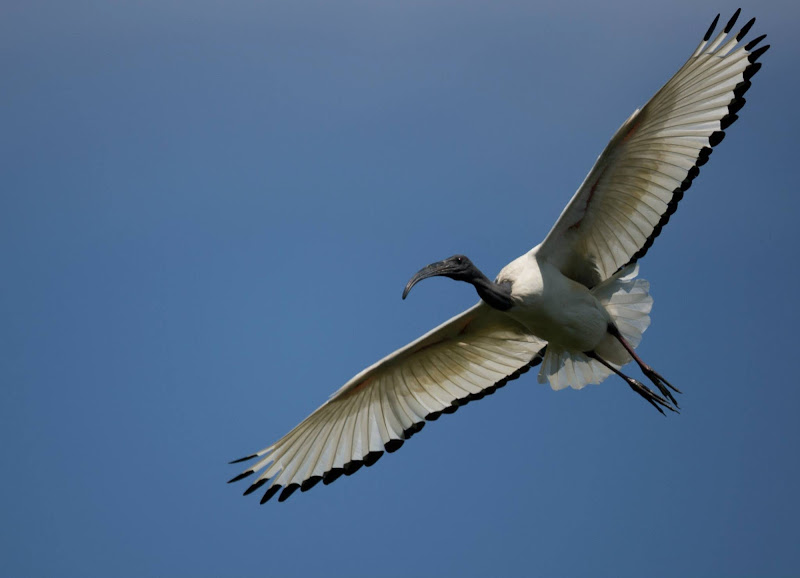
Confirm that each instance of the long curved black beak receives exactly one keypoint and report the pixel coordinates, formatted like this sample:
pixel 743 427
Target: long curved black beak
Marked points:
pixel 432 270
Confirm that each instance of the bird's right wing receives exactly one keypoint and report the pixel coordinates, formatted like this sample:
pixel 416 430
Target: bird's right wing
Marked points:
pixel 464 359
pixel 638 180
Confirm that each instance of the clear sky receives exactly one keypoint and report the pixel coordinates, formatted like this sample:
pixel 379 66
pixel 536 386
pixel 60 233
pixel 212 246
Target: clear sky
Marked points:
pixel 208 212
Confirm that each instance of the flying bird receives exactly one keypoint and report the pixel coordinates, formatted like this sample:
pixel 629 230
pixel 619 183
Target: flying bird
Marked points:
pixel 572 304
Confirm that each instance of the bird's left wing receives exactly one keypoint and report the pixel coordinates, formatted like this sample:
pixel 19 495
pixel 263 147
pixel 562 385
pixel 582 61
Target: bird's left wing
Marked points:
pixel 640 177
pixel 464 359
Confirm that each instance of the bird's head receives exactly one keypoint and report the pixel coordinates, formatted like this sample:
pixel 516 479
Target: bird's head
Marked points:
pixel 457 267
pixel 460 268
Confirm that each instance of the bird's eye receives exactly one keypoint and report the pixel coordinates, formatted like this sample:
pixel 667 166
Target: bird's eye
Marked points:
pixel 459 260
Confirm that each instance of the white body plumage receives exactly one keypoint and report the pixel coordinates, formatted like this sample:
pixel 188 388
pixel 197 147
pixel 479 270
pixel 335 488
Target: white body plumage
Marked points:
pixel 552 306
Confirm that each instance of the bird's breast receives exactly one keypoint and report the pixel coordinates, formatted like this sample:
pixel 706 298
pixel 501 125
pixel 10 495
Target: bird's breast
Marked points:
pixel 556 308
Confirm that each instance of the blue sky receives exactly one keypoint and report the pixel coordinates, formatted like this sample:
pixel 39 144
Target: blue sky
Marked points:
pixel 208 212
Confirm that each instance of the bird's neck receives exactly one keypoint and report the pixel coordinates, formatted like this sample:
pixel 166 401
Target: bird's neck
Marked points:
pixel 496 295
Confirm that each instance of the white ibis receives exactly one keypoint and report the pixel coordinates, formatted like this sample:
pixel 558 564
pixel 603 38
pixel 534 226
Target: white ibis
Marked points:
pixel 572 303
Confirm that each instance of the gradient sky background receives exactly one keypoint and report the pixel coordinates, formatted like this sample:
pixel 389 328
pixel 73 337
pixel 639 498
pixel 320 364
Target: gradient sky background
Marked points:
pixel 208 212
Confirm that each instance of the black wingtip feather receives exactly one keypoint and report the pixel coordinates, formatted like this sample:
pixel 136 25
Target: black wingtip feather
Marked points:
pixel 751 70
pixel 332 475
pixel 702 158
pixel 352 467
pixel 310 483
pixel 752 44
pixel 371 458
pixel 756 54
pixel 255 486
pixel 732 21
pixel 743 86
pixel 745 29
pixel 241 476
pixel 288 491
pixel 677 194
pixel 270 492
pixel 736 105
pixel 393 445
pixel 413 430
pixel 711 29
pixel 716 138
pixel 728 120
pixel 244 459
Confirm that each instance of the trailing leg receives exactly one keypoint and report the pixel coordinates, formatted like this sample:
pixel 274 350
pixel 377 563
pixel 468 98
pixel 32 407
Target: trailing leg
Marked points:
pixel 653 398
pixel 661 383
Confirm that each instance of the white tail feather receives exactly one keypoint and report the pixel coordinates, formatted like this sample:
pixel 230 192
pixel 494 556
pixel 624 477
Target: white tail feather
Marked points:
pixel 628 302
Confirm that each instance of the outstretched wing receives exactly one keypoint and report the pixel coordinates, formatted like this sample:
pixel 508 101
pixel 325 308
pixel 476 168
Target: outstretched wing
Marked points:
pixel 464 359
pixel 638 180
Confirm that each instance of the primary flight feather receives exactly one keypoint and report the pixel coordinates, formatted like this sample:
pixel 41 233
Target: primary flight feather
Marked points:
pixel 572 304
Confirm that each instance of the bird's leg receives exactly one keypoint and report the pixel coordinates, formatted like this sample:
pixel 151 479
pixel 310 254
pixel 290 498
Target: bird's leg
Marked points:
pixel 653 398
pixel 661 383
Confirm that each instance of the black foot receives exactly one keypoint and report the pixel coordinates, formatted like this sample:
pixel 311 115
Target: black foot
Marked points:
pixel 652 398
pixel 661 383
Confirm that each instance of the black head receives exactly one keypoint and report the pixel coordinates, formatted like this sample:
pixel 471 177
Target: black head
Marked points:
pixel 457 267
